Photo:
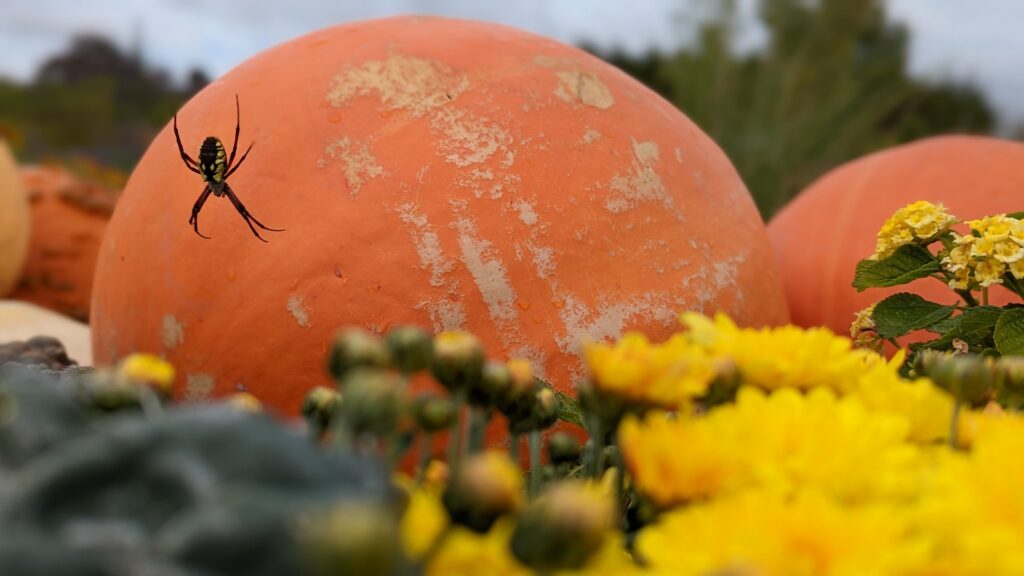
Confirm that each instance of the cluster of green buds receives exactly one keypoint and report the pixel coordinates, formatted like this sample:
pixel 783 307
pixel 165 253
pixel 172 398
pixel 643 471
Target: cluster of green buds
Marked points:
pixel 371 407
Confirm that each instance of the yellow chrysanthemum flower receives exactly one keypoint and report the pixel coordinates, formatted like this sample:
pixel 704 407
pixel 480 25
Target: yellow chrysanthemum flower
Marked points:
pixel 784 442
pixel 973 510
pixel 668 375
pixel 465 552
pixel 787 356
pixel 924 406
pixel 424 519
pixel 768 535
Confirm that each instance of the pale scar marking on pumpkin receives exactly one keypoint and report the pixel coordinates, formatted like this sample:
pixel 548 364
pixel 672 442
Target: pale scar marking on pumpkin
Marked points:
pixel 581 324
pixel 679 156
pixel 590 136
pixel 173 332
pixel 526 212
pixel 401 82
pixel 444 314
pixel 198 387
pixel 641 184
pixel 469 139
pixel 359 164
pixel 489 274
pixel 714 277
pixel 299 310
pixel 428 245
pixel 583 87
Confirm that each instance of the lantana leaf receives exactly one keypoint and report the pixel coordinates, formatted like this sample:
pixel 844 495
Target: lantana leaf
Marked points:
pixel 1009 334
pixel 904 312
pixel 906 264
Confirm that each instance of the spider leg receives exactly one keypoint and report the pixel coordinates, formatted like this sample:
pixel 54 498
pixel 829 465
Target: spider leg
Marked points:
pixel 194 219
pixel 231 169
pixel 238 125
pixel 189 162
pixel 249 218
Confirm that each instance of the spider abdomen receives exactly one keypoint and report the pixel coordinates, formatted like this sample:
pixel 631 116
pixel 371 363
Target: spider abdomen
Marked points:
pixel 212 161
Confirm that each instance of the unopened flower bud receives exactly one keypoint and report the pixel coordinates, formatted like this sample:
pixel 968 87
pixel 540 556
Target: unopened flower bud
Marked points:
pixel 434 413
pixel 437 473
pixel 356 348
pixel 245 402
pixel 147 370
pixel 458 360
pixel 374 401
pixel 968 377
pixel 353 538
pixel 545 409
pixel 1011 373
pixel 517 404
pixel 563 448
pixel 320 407
pixel 494 385
pixel 489 485
pixel 106 390
pixel 411 348
pixel 563 528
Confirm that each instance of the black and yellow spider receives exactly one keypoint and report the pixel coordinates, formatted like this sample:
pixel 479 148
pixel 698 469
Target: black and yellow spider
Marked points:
pixel 215 173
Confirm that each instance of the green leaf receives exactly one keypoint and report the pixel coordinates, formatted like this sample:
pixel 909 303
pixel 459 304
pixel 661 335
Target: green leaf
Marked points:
pixel 904 312
pixel 1016 215
pixel 906 264
pixel 569 409
pixel 1009 333
pixel 1013 285
pixel 974 326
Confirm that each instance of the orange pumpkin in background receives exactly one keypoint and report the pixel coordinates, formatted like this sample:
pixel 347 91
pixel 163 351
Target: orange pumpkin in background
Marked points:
pixel 69 216
pixel 15 222
pixel 822 234
pixel 442 173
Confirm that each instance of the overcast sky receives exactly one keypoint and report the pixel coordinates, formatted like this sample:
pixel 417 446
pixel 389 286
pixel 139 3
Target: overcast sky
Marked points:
pixel 977 40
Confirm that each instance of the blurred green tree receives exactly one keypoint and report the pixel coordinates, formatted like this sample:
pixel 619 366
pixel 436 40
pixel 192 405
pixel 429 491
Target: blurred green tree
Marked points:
pixel 93 99
pixel 830 84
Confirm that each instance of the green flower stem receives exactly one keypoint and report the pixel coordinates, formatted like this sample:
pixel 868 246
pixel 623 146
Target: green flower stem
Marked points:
pixel 150 403
pixel 596 448
pixel 425 440
pixel 984 296
pixel 954 424
pixel 967 297
pixel 514 441
pixel 620 484
pixel 455 437
pixel 479 416
pixel 534 440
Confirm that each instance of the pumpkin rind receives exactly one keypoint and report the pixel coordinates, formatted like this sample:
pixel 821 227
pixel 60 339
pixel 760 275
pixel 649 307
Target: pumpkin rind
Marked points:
pixel 433 172
pixel 14 221
pixel 822 234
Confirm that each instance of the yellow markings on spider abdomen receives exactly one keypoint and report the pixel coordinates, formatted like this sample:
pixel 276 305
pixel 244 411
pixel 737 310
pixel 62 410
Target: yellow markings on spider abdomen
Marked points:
pixel 212 163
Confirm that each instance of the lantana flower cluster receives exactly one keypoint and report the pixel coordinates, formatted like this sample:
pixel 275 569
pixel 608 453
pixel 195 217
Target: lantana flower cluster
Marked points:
pixel 982 257
pixel 919 221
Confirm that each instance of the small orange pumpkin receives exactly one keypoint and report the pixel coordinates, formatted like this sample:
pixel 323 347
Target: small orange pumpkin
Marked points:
pixel 441 173
pixel 822 234
pixel 14 221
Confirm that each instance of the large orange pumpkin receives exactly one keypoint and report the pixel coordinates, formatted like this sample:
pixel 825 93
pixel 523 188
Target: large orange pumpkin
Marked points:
pixel 828 228
pixel 436 172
